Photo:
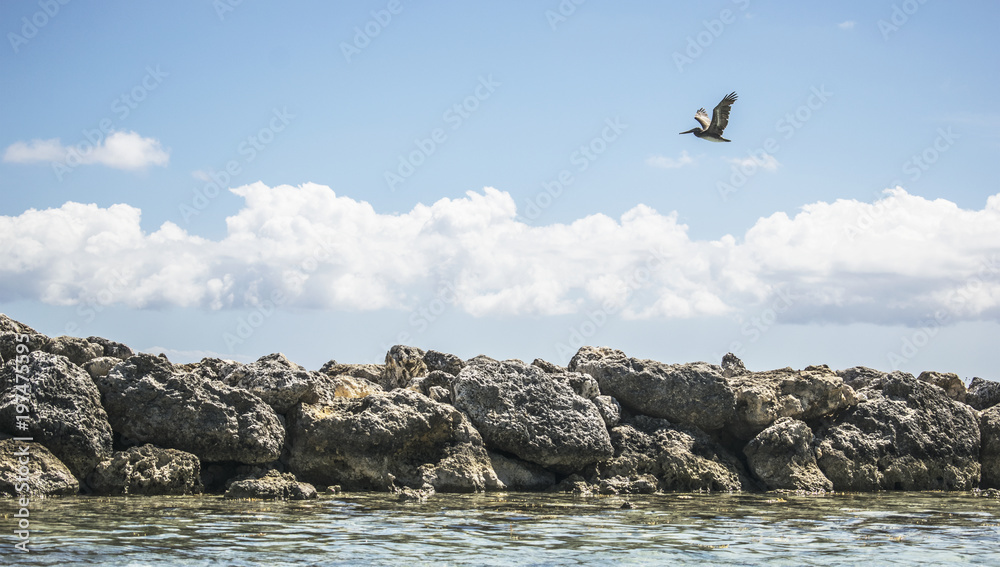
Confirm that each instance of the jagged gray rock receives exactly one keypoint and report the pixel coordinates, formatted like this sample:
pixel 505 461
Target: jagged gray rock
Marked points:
pixel 682 458
pixel 111 348
pixel 385 438
pixel 147 470
pixel 983 394
pixel 210 368
pixel 370 372
pixel 100 366
pixel 436 386
pixel 610 409
pixel 783 457
pixel 77 350
pixel 904 435
pixel 548 367
pixel 693 393
pixel 47 475
pixel 148 402
pixel 66 412
pixel 733 366
pixel 763 397
pixel 444 362
pixel 273 485
pixel 989 428
pixel 858 377
pixel 521 475
pixel 402 364
pixel 947 381
pixel 521 410
pixel 278 381
pixel 14 333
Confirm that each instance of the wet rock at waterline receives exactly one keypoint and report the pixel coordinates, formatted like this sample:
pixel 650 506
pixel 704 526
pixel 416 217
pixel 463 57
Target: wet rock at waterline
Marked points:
pixel 66 414
pixel 46 474
pixel 989 428
pixel 521 410
pixel 905 434
pixel 273 485
pixel 387 439
pixel 148 402
pixel 147 470
pixel 783 457
pixel 521 475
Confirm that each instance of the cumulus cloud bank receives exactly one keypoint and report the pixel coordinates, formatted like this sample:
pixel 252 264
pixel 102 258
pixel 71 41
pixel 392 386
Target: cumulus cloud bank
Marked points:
pixel 901 259
pixel 120 150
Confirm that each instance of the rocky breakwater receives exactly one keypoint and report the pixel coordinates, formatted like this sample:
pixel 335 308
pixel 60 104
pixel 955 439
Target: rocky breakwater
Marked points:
pixel 107 420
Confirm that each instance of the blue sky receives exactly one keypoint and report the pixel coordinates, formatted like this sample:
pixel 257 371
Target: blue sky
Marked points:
pixel 326 179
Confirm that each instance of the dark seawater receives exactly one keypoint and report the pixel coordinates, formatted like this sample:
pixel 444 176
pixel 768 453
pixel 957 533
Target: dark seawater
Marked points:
pixel 513 529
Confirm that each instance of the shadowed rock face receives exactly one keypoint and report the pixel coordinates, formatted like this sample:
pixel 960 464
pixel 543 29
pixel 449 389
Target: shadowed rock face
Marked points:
pixel 271 486
pixel 147 470
pixel 148 402
pixel 904 435
pixel 989 426
pixel 680 458
pixel 521 475
pixel 521 410
pixel 66 412
pixel 388 438
pixel 47 475
pixel 763 397
pixel 783 457
pixel 693 393
pixel 983 394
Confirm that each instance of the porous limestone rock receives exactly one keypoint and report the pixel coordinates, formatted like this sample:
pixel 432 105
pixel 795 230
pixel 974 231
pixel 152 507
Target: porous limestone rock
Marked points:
pixel 65 409
pixel 278 381
pixel 521 410
pixel 149 402
pixel 111 348
pixel 983 394
pixel 147 470
pixel 521 475
pixel 77 350
pixel 388 438
pixel 444 362
pixel 989 427
pixel 783 457
pixel 47 475
pixel 273 485
pixel 947 381
pixel 905 434
pixel 402 364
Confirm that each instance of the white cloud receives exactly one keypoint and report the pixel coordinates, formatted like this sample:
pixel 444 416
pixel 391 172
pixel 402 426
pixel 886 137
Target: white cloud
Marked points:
pixel 665 162
pixel 897 260
pixel 767 163
pixel 846 25
pixel 120 150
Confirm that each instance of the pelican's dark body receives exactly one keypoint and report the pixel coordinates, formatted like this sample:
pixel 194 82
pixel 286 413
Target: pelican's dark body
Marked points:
pixel 712 130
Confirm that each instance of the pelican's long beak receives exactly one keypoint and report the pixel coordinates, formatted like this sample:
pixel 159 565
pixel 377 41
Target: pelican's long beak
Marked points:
pixel 689 131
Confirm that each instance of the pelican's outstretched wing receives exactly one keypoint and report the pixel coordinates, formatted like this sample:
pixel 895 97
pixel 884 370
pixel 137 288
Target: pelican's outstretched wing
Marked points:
pixel 720 116
pixel 702 117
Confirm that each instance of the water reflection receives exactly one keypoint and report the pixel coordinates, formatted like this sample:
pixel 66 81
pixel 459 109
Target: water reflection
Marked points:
pixel 517 529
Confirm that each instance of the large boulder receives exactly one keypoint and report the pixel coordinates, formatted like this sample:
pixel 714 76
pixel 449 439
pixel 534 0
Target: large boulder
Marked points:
pixel 147 470
pixel 443 361
pixel 111 348
pixel 989 427
pixel 148 402
pixel 783 457
pixel 947 381
pixel 402 364
pixel 65 409
pixel 904 435
pixel 693 393
pixel 681 458
pixel 387 439
pixel 763 397
pixel 983 394
pixel 77 350
pixel 273 485
pixel 278 381
pixel 521 410
pixel 18 338
pixel 47 475
pixel 858 377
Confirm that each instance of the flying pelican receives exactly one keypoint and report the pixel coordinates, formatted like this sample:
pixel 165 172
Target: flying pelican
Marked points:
pixel 712 131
